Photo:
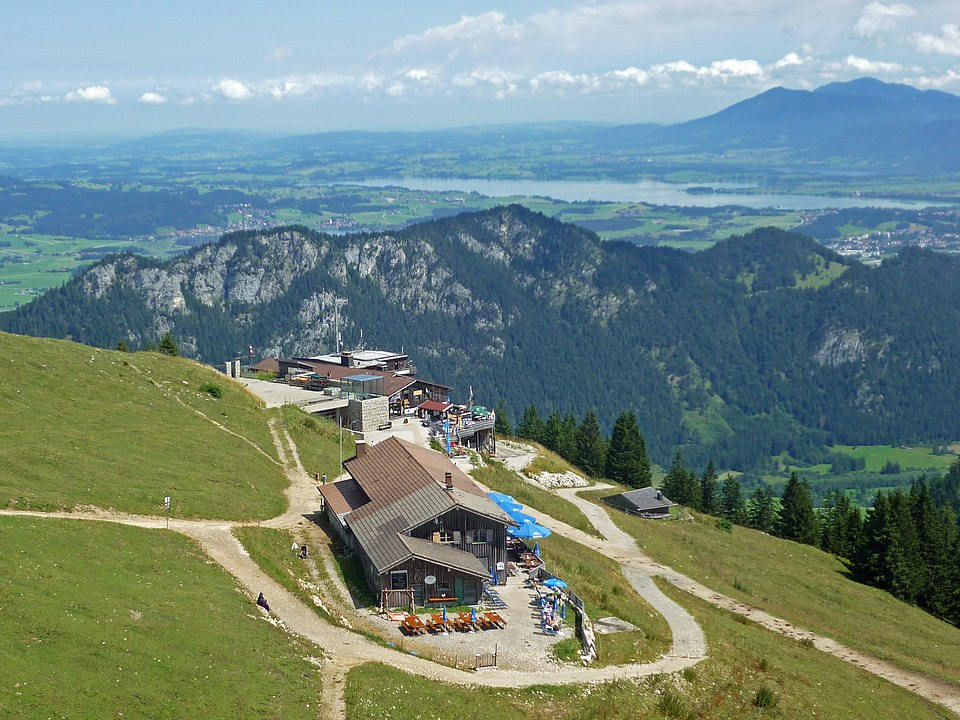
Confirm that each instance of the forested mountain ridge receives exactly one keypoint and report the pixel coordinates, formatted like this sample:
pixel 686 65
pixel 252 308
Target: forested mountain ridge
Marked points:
pixel 764 343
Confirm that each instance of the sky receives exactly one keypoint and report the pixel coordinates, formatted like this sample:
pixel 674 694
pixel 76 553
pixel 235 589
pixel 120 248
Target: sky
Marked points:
pixel 93 66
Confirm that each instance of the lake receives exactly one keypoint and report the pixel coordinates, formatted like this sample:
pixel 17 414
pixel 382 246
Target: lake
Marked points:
pixel 648 191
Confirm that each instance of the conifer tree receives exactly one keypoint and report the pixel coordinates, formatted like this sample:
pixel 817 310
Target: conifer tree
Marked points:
pixel 708 489
pixel 168 346
pixel 762 512
pixel 591 447
pixel 553 431
pixel 797 518
pixel 627 460
pixel 531 426
pixel 673 482
pixel 732 505
pixel 501 426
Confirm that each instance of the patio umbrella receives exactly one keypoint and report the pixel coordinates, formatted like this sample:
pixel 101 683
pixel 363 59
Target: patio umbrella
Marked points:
pixel 444 614
pixel 554 583
pixel 520 517
pixel 504 501
pixel 473 615
pixel 536 549
pixel 529 531
pixel 494 577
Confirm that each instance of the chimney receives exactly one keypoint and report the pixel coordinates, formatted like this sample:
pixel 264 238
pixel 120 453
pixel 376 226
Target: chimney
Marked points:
pixel 346 358
pixel 659 495
pixel 448 481
pixel 361 448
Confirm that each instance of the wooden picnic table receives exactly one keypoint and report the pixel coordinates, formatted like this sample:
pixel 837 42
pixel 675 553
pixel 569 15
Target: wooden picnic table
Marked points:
pixel 495 619
pixel 413 625
pixel 444 624
pixel 467 619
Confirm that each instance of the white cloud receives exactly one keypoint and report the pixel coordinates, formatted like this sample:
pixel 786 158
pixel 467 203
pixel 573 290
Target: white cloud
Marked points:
pixel 308 84
pixel 233 89
pixel 950 78
pixel 152 98
pixel 946 43
pixel 187 101
pixel 861 64
pixel 420 75
pixel 92 93
pixel 791 59
pixel 878 17
pixel 487 26
pixel 633 74
pixel 502 82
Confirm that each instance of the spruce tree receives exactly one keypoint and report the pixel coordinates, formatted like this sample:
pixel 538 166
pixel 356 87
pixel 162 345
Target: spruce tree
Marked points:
pixel 501 426
pixel 168 346
pixel 531 427
pixel 568 439
pixel 708 489
pixel 627 460
pixel 553 431
pixel 762 512
pixel 797 518
pixel 591 447
pixel 732 505
pixel 673 482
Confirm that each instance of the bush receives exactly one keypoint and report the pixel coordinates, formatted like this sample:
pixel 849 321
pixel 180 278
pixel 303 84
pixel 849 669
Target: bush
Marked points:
pixel 212 389
pixel 807 643
pixel 671 703
pixel 764 697
pixel 724 524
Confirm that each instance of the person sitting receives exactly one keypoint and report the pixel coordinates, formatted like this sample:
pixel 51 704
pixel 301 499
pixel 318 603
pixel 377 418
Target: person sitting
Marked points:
pixel 262 602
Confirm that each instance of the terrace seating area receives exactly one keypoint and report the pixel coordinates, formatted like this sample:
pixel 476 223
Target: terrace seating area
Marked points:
pixel 453 622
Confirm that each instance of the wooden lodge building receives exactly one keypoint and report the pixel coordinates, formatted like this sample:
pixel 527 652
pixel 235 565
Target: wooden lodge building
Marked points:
pixel 424 532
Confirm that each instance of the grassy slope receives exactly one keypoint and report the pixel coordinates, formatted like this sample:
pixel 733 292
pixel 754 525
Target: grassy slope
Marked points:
pixel 497 477
pixel 803 585
pixel 916 458
pixel 604 589
pixel 807 684
pixel 317 442
pixel 271 550
pixel 135 623
pixel 83 426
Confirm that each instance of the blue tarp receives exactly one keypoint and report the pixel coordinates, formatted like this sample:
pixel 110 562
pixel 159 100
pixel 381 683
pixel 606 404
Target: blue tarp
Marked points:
pixel 529 531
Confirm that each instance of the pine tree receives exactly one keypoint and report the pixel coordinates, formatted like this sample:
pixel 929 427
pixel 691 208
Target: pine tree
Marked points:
pixel 691 490
pixel 762 513
pixel 168 346
pixel 708 489
pixel 531 427
pixel 553 431
pixel 797 518
pixel 732 505
pixel 627 460
pixel 673 482
pixel 568 439
pixel 591 447
pixel 501 425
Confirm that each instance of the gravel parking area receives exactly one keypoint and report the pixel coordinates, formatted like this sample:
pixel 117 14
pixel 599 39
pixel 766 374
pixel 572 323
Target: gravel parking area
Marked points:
pixel 522 645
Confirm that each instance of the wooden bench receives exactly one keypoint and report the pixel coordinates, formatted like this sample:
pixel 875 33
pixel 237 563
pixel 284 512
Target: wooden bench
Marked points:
pixel 443 600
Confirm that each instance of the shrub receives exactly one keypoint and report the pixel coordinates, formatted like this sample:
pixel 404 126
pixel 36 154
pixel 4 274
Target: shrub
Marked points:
pixel 738 585
pixel 764 697
pixel 724 524
pixel 671 703
pixel 310 423
pixel 212 389
pixel 806 642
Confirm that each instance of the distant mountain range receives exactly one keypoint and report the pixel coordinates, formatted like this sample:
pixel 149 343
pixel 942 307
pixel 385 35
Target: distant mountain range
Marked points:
pixel 763 344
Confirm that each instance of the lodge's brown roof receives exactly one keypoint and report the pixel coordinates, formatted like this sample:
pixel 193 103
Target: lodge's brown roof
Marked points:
pixel 435 406
pixel 405 484
pixel 270 365
pixel 343 496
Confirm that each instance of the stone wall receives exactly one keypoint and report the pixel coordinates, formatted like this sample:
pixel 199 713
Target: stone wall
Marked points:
pixel 367 415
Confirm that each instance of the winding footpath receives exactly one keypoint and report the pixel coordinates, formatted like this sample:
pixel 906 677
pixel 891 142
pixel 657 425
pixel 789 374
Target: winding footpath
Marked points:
pixel 343 649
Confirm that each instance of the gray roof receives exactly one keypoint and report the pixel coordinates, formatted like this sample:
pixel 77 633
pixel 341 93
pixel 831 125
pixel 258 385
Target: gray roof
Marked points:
pixel 445 555
pixel 405 484
pixel 647 498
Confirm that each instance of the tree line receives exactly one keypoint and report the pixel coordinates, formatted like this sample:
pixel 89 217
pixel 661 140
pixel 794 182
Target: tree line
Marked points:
pixel 621 457
pixel 907 543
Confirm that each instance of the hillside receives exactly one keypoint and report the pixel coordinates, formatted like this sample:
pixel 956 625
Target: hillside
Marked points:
pixel 84 426
pixel 780 343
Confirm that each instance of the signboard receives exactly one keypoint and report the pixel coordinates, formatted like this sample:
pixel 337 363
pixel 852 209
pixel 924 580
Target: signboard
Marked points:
pixel 430 580
pixel 166 502
pixel 500 566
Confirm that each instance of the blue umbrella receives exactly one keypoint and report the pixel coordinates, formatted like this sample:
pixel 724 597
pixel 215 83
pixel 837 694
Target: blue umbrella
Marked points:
pixel 444 614
pixel 554 583
pixel 520 517
pixel 529 531
pixel 504 501
pixel 495 577
pixel 473 615
pixel 536 549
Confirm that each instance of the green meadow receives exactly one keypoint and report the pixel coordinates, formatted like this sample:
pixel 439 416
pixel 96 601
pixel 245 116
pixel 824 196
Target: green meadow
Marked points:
pixel 104 620
pixel 83 426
